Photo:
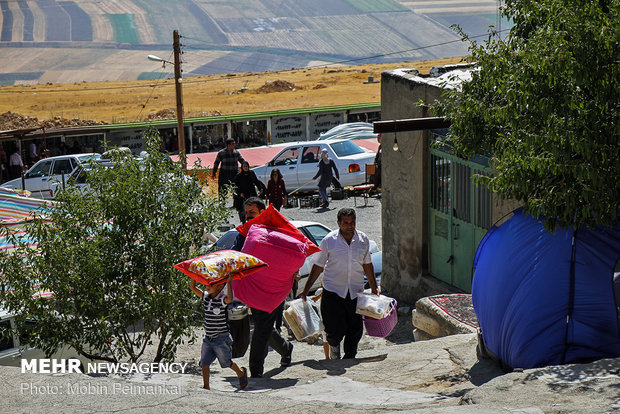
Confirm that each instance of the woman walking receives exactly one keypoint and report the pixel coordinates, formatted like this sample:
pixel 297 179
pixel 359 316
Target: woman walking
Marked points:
pixel 326 165
pixel 246 183
pixel 276 190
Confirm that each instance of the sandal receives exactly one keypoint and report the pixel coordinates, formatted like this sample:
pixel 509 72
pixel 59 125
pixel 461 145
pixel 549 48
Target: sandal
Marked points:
pixel 243 380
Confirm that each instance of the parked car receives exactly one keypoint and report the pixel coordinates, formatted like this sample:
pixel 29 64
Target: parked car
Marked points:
pixel 351 130
pixel 315 232
pixel 78 177
pixel 40 177
pixel 298 163
pixel 13 350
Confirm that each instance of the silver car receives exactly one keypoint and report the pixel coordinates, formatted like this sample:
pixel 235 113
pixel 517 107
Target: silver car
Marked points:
pixel 40 177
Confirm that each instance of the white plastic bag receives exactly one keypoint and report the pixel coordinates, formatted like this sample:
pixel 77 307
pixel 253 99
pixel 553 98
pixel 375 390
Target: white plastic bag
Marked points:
pixel 372 305
pixel 303 318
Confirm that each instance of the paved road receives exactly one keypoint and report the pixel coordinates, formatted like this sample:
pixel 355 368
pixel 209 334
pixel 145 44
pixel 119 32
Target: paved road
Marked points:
pixel 368 217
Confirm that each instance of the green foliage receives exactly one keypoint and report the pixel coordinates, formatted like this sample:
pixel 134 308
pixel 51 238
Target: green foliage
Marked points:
pixel 107 254
pixel 544 106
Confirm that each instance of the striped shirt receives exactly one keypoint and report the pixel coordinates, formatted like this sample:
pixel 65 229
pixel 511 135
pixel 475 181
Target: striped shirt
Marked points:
pixel 215 314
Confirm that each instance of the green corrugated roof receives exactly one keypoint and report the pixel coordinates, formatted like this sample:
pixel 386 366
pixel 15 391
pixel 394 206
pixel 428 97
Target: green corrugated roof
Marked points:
pixel 234 117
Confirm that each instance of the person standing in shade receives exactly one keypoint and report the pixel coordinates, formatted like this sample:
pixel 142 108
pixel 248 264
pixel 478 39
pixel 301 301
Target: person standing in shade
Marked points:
pixel 229 158
pixel 4 165
pixel 345 259
pixel 246 183
pixel 376 178
pixel 276 190
pixel 16 164
pixel 265 334
pixel 326 166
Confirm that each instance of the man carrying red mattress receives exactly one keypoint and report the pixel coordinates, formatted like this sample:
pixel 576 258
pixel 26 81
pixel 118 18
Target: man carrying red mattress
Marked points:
pixel 265 334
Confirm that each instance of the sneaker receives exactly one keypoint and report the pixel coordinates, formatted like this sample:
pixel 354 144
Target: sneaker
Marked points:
pixel 334 352
pixel 286 359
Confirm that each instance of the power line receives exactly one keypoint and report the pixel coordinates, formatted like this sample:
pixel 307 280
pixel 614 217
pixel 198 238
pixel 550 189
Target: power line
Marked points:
pixel 341 62
pixel 153 86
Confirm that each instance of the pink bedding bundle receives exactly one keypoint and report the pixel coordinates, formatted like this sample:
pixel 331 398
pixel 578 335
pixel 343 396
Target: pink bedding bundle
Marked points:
pixel 284 251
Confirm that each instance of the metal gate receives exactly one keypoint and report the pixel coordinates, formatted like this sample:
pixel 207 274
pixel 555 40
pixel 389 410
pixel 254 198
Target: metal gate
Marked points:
pixel 460 213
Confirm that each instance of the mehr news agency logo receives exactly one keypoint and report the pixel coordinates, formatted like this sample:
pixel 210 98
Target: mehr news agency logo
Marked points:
pixel 74 366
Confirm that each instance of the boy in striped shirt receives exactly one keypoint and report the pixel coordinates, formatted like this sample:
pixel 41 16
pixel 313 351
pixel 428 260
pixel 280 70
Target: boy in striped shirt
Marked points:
pixel 217 342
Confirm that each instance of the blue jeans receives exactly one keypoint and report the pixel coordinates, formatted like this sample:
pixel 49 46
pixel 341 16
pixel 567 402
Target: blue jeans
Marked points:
pixel 323 193
pixel 219 347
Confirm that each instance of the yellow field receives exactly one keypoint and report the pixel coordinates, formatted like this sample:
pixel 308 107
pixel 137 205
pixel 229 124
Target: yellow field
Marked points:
pixel 217 94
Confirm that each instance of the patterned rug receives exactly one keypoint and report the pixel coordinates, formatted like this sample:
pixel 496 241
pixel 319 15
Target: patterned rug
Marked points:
pixel 458 306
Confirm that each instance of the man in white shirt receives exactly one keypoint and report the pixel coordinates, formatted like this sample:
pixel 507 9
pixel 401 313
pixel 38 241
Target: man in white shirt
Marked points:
pixel 345 259
pixel 15 164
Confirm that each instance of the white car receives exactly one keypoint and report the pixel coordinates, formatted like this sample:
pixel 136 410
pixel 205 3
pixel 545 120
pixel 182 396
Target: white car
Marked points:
pixel 351 130
pixel 40 177
pixel 315 232
pixel 298 163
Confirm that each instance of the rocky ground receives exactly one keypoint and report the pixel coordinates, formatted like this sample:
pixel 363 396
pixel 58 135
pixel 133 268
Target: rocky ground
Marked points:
pixel 10 120
pixel 438 376
pixel 392 374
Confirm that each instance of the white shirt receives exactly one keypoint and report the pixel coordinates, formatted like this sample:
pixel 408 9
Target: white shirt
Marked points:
pixel 32 150
pixel 16 159
pixel 342 263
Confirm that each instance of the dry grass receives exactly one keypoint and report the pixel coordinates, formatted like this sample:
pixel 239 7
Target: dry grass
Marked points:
pixel 134 100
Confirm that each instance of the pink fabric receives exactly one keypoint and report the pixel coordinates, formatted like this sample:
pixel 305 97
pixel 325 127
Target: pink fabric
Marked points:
pixel 267 288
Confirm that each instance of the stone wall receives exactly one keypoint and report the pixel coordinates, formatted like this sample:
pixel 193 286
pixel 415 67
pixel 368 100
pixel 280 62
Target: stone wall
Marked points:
pixel 404 214
pixel 404 198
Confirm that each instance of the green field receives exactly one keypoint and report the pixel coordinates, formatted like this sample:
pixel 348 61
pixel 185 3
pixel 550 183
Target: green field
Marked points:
pixel 376 6
pixel 124 27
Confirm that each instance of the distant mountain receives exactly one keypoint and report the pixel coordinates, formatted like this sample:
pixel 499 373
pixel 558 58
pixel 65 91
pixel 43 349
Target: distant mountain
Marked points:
pixel 97 40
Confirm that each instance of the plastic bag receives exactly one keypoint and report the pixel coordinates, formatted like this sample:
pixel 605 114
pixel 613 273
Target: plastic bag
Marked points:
pixel 303 318
pixel 372 305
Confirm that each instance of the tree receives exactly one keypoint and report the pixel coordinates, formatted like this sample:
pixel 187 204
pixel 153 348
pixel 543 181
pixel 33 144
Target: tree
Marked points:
pixel 107 255
pixel 544 106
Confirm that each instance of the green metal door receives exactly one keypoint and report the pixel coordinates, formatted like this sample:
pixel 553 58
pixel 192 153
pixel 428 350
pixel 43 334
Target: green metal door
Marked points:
pixel 459 214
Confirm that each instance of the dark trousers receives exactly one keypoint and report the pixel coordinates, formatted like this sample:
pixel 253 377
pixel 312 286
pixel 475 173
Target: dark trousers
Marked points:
pixel 240 332
pixel 265 336
pixel 341 321
pixel 224 179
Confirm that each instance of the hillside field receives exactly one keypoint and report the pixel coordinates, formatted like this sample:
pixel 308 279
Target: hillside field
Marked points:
pixel 129 101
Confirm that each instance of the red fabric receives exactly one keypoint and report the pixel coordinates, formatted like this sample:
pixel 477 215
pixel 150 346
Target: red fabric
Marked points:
pixel 284 253
pixel 273 218
pixel 213 268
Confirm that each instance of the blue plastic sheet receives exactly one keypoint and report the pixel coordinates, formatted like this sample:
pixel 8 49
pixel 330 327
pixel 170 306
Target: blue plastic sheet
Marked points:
pixel 541 299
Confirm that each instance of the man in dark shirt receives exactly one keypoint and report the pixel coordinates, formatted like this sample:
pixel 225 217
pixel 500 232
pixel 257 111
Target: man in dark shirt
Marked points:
pixel 230 159
pixel 265 334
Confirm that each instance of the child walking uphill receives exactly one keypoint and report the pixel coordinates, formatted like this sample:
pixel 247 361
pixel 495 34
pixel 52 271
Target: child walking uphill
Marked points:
pixel 217 342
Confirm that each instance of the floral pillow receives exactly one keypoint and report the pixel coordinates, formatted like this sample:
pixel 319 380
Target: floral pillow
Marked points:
pixel 213 268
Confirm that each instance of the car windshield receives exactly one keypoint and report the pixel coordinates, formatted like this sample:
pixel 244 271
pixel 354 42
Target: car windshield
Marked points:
pixel 89 157
pixel 227 240
pixel 344 148
pixel 316 233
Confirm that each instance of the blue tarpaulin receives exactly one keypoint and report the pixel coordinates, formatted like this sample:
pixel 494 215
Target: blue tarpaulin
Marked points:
pixel 546 298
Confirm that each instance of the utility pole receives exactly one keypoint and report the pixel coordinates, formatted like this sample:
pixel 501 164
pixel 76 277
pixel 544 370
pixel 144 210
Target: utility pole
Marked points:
pixel 179 94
